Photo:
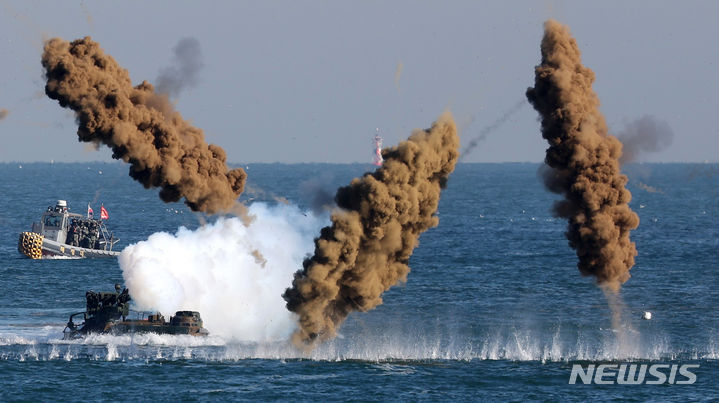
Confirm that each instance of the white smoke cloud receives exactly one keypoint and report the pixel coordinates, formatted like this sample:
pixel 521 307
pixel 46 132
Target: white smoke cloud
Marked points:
pixel 217 271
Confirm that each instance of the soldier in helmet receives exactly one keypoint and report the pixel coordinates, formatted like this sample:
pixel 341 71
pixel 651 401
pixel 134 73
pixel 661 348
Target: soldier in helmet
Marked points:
pixel 70 231
pixel 91 239
pixel 74 236
pixel 96 236
pixel 92 301
pixel 84 236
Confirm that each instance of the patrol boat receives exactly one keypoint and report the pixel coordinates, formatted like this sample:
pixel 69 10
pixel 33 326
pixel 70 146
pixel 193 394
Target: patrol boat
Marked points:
pixel 61 233
pixel 107 312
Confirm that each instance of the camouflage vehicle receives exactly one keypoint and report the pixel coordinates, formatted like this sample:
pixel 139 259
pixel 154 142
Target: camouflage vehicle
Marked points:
pixel 107 312
pixel 61 233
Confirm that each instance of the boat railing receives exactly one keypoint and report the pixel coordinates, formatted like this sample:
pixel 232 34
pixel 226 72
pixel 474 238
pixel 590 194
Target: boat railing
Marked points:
pixel 107 240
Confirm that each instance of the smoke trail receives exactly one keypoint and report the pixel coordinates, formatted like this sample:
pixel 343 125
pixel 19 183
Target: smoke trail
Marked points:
pixel 232 272
pixel 140 126
pixel 628 339
pixel 646 134
pixel 584 161
pixel 4 113
pixel 373 232
pixel 489 129
pixel 88 16
pixel 188 63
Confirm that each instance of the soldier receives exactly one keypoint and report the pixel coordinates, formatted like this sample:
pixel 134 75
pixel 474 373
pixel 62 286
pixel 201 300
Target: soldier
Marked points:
pixel 110 299
pixel 124 296
pixel 70 231
pixel 75 235
pixel 92 301
pixel 83 237
pixel 92 237
pixel 96 236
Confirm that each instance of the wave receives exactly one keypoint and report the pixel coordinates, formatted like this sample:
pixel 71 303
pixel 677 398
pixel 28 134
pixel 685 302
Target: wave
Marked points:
pixel 514 345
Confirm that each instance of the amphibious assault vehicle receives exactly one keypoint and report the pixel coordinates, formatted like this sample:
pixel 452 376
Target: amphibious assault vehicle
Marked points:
pixel 108 312
pixel 61 233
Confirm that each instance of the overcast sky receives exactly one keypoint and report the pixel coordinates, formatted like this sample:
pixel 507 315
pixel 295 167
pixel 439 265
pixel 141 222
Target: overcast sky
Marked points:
pixel 309 81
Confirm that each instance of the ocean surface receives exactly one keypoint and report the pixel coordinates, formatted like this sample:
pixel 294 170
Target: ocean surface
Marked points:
pixel 493 309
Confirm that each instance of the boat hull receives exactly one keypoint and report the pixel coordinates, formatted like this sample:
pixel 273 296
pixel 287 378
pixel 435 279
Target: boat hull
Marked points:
pixel 35 246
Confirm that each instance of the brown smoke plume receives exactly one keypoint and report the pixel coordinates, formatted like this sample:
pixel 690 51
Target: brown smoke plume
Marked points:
pixel 140 126
pixel 4 113
pixel 584 161
pixel 373 232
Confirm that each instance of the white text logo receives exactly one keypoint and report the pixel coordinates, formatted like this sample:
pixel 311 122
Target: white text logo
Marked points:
pixel 633 374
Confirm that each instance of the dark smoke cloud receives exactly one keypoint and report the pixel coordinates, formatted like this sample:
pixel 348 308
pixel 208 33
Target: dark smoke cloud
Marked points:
pixel 317 194
pixel 4 113
pixel 584 161
pixel 140 126
pixel 185 71
pixel 373 233
pixel 646 134
pixel 489 129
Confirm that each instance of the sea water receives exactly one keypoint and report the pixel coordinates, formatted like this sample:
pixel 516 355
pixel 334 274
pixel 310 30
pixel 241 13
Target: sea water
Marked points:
pixel 494 307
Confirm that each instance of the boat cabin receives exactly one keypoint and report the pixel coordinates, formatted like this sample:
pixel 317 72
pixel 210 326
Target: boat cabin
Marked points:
pixel 55 222
pixel 60 225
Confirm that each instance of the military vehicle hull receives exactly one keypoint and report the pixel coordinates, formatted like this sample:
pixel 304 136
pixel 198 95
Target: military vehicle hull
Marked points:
pixel 61 234
pixel 135 326
pixel 107 312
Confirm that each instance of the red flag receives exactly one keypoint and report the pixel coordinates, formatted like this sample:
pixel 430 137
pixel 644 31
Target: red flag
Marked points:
pixel 89 211
pixel 103 213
